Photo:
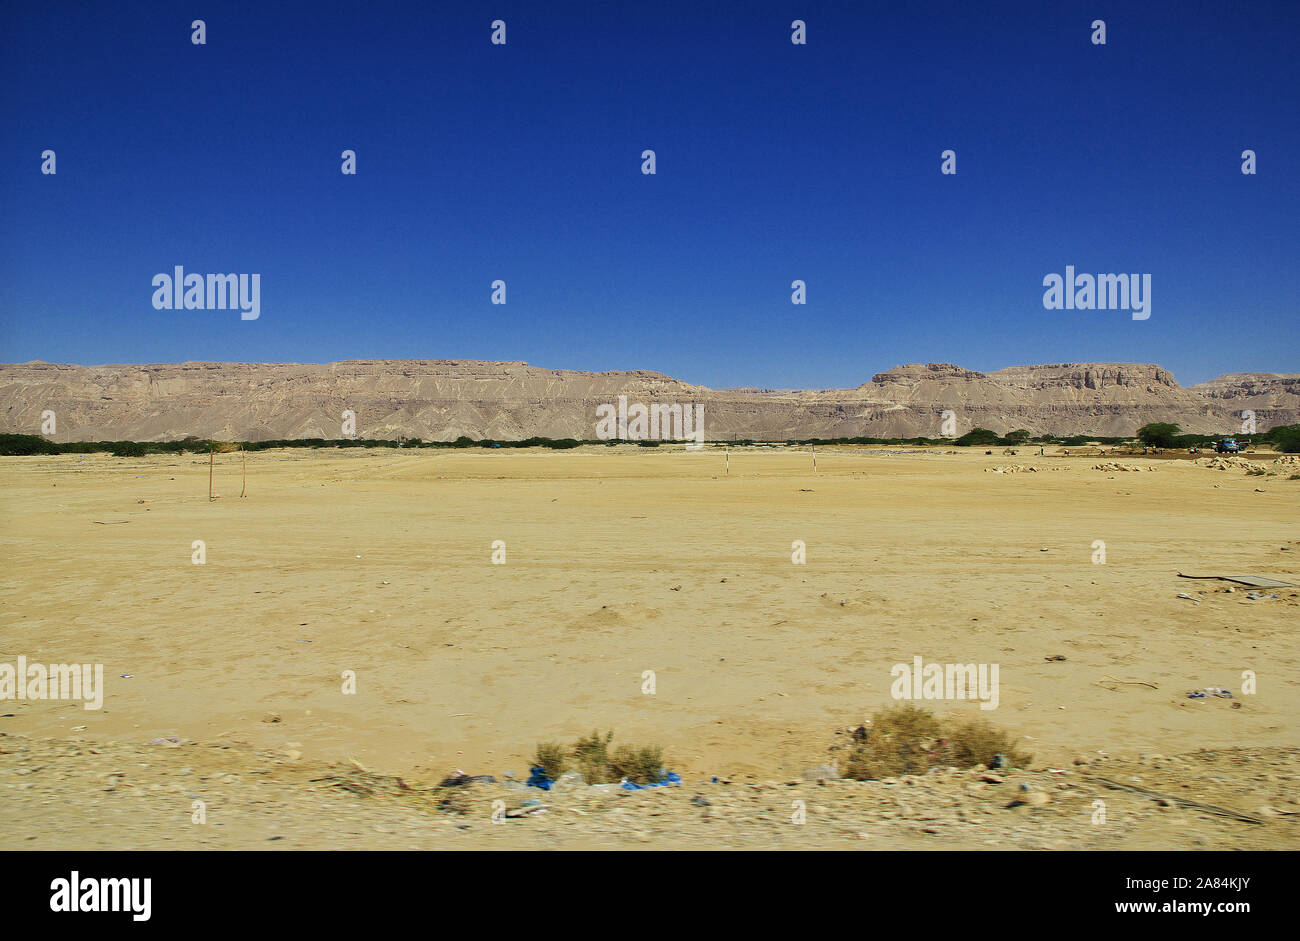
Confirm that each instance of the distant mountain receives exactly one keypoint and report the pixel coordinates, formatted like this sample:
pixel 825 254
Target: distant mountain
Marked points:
pixel 444 399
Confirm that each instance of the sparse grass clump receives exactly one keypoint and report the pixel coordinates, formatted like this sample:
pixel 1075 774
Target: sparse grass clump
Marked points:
pixel 907 739
pixel 552 758
pixel 977 742
pixel 638 765
pixel 898 741
pixel 590 756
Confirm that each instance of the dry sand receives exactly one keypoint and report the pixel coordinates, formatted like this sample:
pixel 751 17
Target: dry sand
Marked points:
pixel 622 560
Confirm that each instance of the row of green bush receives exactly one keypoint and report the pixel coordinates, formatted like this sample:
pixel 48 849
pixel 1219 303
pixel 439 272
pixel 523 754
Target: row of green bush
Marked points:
pixel 978 437
pixel 35 444
pixel 1285 438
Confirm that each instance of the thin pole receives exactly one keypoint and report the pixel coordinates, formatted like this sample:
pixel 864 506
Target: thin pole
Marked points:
pixel 814 447
pixel 726 453
pixel 209 472
pixel 244 485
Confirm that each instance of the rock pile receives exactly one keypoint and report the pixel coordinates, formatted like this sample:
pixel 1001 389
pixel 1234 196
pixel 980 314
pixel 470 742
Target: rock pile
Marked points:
pixel 1116 466
pixel 1227 462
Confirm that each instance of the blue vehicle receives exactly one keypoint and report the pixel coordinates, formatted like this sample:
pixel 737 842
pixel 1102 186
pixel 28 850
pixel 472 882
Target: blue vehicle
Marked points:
pixel 1227 446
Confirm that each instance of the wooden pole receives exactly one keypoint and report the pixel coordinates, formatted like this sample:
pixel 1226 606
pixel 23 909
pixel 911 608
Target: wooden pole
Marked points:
pixel 726 453
pixel 814 447
pixel 209 473
pixel 244 486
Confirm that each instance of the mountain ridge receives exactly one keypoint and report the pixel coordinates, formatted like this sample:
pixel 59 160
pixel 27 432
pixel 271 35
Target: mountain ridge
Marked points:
pixel 442 399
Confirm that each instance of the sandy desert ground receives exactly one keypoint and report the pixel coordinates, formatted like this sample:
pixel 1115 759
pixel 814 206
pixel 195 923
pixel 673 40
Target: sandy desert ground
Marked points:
pixel 223 680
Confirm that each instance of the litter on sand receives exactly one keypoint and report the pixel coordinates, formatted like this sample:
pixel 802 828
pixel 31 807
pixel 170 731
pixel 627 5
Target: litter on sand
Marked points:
pixel 1254 581
pixel 1112 684
pixel 669 777
pixel 1210 691
pixel 538 778
pixel 1182 801
pixel 460 779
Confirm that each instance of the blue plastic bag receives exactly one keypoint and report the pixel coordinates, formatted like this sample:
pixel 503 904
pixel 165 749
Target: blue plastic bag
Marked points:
pixel 669 777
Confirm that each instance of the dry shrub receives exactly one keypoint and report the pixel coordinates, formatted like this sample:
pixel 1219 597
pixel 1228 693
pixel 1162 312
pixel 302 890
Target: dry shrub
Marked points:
pixel 907 739
pixel 592 759
pixel 591 755
pixel 899 740
pixel 638 765
pixel 977 742
pixel 552 758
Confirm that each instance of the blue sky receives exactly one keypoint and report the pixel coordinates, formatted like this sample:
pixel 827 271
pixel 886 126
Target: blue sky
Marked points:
pixel 775 162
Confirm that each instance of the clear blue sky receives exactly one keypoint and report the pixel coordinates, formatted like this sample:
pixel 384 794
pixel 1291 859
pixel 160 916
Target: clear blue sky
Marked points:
pixel 775 162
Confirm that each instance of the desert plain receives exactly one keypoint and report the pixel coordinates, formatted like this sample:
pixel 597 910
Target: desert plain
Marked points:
pixel 224 680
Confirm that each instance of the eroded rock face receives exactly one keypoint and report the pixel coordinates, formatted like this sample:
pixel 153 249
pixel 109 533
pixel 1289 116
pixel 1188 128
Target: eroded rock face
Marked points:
pixel 1273 397
pixel 914 373
pixel 1095 376
pixel 444 399
pixel 1237 384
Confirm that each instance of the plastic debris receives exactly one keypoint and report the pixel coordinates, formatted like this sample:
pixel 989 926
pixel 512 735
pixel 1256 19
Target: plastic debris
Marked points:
pixel 537 778
pixel 669 778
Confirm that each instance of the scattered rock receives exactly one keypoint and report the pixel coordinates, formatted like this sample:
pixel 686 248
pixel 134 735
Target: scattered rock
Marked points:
pixel 821 773
pixel 461 779
pixel 1113 466
pixel 569 781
